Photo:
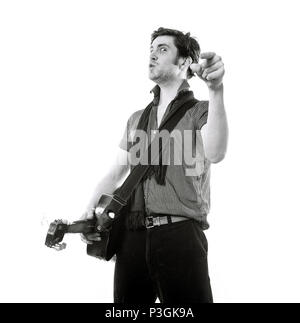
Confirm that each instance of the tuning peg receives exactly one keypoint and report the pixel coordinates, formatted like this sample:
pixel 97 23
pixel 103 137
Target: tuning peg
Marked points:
pixel 60 246
pixel 45 222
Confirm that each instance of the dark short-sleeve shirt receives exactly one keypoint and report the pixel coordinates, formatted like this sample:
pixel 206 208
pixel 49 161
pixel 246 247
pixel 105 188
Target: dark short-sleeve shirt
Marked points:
pixel 185 195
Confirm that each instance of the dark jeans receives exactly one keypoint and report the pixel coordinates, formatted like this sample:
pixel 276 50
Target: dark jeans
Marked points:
pixel 169 262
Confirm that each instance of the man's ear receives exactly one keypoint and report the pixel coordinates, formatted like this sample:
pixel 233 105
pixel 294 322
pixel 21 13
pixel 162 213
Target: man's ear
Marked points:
pixel 186 62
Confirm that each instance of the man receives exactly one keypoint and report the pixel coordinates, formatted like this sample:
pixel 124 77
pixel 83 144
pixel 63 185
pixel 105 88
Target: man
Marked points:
pixel 164 253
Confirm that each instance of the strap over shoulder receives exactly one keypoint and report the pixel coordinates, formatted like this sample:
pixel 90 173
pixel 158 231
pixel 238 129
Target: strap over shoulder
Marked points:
pixel 177 111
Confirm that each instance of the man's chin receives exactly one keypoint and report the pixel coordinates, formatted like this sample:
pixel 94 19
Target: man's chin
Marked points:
pixel 153 77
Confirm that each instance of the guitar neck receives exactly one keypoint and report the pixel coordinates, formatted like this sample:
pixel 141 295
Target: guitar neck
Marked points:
pixel 82 226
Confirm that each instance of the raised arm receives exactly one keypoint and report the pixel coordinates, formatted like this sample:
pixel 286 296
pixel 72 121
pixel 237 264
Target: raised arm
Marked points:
pixel 215 131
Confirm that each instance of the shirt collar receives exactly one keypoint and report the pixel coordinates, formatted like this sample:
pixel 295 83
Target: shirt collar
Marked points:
pixel 156 90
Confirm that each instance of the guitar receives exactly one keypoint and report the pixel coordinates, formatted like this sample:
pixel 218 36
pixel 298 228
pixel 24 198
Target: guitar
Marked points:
pixel 110 224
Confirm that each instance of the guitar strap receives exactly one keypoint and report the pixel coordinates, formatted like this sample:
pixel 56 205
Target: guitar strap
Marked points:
pixel 123 193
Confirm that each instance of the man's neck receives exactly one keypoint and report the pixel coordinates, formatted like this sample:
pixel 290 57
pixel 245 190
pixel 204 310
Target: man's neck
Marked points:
pixel 168 91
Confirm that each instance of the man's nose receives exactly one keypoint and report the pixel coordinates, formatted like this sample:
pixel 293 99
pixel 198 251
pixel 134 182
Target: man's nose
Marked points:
pixel 153 57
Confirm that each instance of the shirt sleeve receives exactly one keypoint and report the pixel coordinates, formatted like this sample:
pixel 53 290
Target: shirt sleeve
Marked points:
pixel 200 118
pixel 201 114
pixel 124 143
pixel 128 135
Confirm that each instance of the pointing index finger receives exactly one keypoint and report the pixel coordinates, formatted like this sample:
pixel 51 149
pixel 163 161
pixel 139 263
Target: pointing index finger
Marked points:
pixel 207 55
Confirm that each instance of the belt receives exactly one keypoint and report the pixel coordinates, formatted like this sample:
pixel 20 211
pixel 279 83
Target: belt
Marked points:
pixel 155 220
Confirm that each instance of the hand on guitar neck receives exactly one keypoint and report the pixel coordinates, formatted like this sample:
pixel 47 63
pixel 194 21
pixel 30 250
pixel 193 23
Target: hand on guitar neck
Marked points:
pixel 89 238
pixel 94 228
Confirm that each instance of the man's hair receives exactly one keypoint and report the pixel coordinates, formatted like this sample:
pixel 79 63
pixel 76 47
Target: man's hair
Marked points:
pixel 185 44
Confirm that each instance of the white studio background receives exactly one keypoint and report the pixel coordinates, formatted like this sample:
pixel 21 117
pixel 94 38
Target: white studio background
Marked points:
pixel 72 72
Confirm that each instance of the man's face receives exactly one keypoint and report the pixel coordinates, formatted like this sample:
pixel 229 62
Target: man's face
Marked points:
pixel 163 60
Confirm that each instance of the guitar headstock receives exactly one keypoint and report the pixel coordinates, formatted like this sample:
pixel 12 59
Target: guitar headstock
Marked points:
pixel 55 235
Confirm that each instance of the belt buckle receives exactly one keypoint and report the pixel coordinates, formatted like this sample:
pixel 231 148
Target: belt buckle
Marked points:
pixel 152 222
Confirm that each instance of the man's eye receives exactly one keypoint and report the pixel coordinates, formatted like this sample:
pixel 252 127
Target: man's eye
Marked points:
pixel 163 49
